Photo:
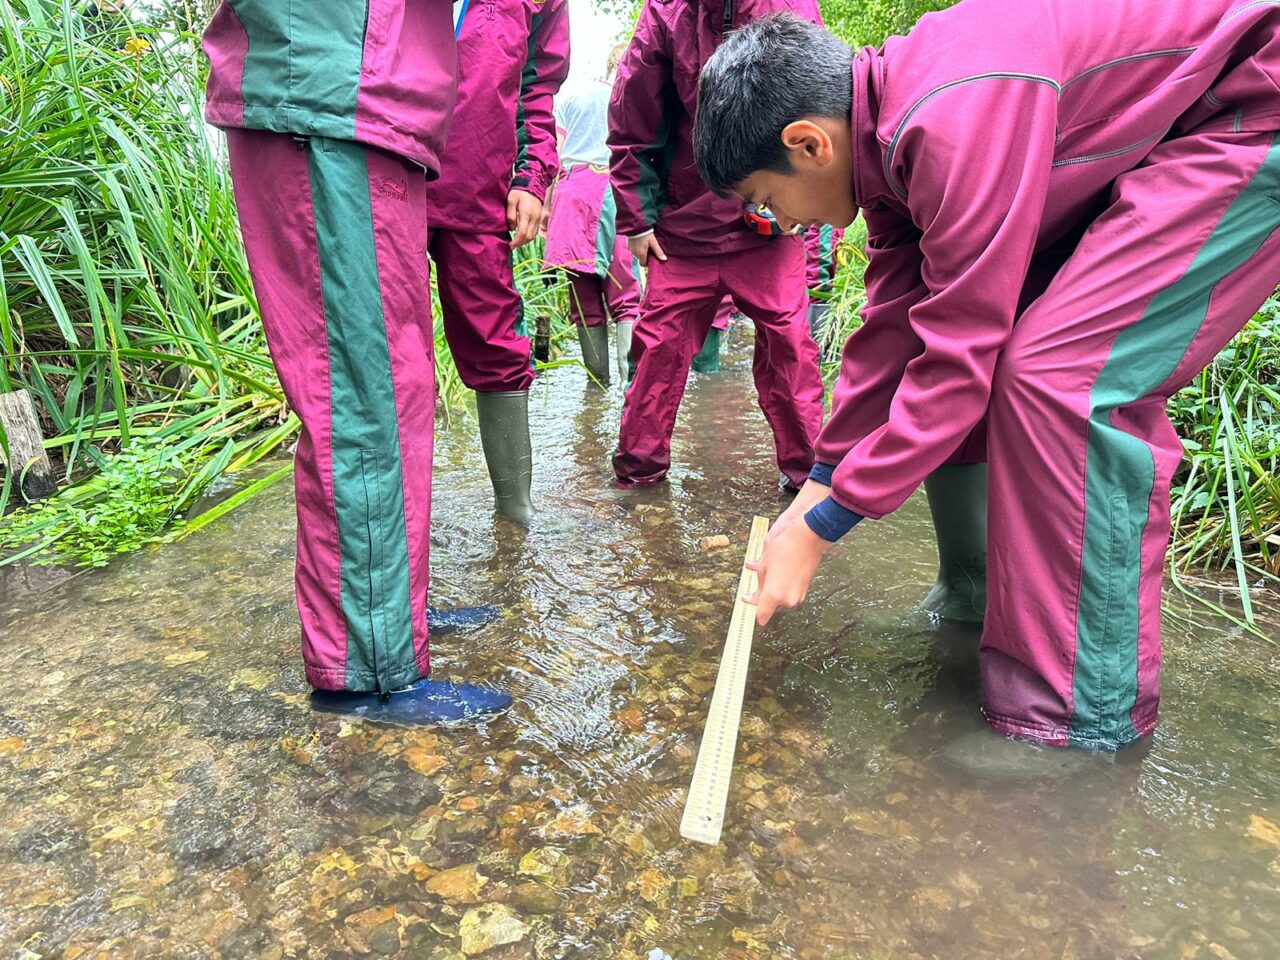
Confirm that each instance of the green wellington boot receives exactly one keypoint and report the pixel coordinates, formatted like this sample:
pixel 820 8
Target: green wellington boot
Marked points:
pixel 595 352
pixel 708 358
pixel 958 501
pixel 622 348
pixel 504 435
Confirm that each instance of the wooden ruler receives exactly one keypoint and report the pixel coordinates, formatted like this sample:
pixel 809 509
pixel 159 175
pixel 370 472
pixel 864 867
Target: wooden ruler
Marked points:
pixel 709 792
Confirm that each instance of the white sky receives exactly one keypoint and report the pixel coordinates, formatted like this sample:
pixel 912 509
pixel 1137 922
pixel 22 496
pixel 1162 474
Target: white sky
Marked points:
pixel 592 35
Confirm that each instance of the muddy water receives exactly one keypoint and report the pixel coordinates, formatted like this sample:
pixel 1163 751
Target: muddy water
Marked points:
pixel 165 791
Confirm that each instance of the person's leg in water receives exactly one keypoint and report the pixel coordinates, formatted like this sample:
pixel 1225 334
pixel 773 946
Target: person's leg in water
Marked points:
pixel 707 359
pixel 581 240
pixel 767 283
pixel 957 490
pixel 345 301
pixel 481 308
pixel 1082 450
pixel 622 296
pixel 677 310
pixel 957 493
pixel 587 311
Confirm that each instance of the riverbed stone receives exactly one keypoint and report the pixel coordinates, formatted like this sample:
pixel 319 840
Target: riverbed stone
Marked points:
pixel 533 897
pixel 460 884
pixel 492 925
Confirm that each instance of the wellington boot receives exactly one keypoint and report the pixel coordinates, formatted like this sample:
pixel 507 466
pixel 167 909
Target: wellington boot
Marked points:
pixel 595 352
pixel 958 500
pixel 504 435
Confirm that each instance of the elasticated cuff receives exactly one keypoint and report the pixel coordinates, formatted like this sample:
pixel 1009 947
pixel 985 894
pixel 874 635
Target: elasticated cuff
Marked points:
pixel 829 520
pixel 531 181
pixel 822 472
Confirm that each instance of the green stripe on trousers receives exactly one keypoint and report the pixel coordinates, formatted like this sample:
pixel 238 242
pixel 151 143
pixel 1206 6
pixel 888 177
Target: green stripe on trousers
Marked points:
pixel 367 489
pixel 1120 470
pixel 606 232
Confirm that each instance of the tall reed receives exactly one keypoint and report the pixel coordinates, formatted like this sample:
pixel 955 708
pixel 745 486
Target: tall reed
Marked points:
pixel 126 306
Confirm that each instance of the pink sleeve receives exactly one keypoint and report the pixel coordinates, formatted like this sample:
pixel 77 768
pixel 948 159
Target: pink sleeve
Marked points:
pixel 638 129
pixel 544 72
pixel 877 354
pixel 808 10
pixel 972 166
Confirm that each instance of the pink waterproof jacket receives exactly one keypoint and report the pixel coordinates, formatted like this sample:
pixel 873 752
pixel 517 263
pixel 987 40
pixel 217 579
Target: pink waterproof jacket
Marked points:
pixel 380 73
pixel 985 136
pixel 512 57
pixel 655 180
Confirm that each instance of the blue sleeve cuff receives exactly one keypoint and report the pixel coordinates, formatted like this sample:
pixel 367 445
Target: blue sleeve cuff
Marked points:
pixel 822 472
pixel 829 520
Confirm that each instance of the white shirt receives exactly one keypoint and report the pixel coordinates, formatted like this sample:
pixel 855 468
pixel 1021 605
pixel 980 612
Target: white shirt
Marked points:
pixel 583 115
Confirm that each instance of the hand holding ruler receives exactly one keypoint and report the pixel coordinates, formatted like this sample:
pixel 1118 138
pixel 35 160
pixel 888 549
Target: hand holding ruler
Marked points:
pixel 704 809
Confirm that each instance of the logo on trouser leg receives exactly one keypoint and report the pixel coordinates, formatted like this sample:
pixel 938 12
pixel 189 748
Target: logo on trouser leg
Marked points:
pixel 394 189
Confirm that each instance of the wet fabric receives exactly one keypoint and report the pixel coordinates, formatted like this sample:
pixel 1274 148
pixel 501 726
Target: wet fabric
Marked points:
pixel 481 309
pixel 335 234
pixel 512 58
pixel 654 176
pixel 820 265
pixel 381 73
pixel 1103 173
pixel 679 307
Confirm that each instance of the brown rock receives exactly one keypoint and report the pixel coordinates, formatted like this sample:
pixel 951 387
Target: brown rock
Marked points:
pixel 492 925
pixel 459 884
pixel 574 822
pixel 423 762
pixel 654 887
pixel 534 897
pixel 544 862
pixel 1264 831
pixel 632 719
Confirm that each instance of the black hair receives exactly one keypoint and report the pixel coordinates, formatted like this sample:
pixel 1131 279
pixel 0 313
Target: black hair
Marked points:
pixel 765 76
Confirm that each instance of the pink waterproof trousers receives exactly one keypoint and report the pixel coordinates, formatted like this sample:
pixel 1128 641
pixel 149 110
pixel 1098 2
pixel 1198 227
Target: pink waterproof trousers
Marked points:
pixel 680 303
pixel 336 238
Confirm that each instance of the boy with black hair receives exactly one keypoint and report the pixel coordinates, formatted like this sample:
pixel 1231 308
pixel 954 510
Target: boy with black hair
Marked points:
pixel 1071 207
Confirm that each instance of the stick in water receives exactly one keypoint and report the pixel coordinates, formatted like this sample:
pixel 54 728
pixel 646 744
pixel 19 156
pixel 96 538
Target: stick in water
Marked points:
pixel 709 792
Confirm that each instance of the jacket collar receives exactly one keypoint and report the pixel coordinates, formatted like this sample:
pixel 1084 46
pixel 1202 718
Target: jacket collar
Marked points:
pixel 869 183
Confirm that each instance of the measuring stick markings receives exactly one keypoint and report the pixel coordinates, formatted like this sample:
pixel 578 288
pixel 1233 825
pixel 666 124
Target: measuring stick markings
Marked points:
pixel 709 792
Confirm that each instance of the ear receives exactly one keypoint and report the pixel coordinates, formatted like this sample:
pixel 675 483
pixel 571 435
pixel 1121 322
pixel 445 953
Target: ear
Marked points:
pixel 809 140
